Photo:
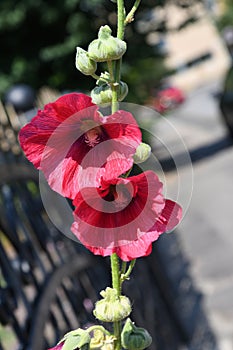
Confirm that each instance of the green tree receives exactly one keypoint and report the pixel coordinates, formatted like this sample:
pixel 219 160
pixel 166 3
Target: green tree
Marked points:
pixel 38 41
pixel 226 18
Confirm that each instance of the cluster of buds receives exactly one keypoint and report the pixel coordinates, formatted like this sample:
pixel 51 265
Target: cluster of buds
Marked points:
pixel 111 308
pixel 104 49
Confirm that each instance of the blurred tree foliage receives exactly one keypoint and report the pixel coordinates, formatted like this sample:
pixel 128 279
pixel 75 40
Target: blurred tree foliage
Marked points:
pixel 38 41
pixel 226 18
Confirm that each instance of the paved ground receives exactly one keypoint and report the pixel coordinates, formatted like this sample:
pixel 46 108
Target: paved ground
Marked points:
pixel 207 229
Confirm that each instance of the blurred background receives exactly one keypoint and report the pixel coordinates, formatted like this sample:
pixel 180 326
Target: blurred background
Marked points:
pixel 177 39
pixel 179 63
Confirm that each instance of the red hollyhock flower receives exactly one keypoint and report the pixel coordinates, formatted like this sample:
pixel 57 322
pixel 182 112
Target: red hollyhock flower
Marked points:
pixel 124 216
pixel 71 142
pixel 57 347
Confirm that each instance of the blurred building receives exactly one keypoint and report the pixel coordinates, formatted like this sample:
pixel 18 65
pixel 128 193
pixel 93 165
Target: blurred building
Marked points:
pixel 195 51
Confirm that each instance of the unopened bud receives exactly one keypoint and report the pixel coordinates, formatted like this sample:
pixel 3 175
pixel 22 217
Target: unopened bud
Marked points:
pixel 102 95
pixel 106 47
pixel 83 63
pixel 143 152
pixel 134 338
pixel 112 307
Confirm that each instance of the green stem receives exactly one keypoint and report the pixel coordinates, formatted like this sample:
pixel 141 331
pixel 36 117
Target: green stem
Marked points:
pixel 95 76
pixel 117 334
pixel 115 273
pixel 120 35
pixel 114 86
pixel 118 70
pixel 123 267
pixel 116 285
pixel 116 282
pixel 130 16
pixel 115 104
pixel 120 19
pixel 111 70
pixel 128 272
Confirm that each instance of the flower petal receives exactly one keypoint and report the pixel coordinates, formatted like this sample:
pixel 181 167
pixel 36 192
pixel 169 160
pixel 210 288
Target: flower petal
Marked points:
pixel 55 142
pixel 128 223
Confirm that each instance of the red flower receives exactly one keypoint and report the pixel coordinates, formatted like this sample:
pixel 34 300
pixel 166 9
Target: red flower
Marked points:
pixel 58 346
pixel 124 216
pixel 71 142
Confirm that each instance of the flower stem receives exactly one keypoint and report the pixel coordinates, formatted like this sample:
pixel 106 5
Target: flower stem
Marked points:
pixel 128 272
pixel 95 76
pixel 123 267
pixel 130 16
pixel 120 19
pixel 117 73
pixel 114 86
pixel 116 281
pixel 115 273
pixel 116 285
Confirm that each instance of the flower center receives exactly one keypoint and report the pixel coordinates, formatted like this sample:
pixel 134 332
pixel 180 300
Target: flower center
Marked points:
pixel 92 132
pixel 92 137
pixel 121 195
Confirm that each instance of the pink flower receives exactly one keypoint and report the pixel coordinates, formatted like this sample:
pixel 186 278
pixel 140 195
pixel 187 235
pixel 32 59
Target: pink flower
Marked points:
pixel 124 215
pixel 71 142
pixel 58 346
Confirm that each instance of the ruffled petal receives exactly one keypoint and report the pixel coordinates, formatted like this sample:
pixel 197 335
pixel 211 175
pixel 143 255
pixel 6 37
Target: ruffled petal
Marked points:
pixel 55 142
pixel 127 223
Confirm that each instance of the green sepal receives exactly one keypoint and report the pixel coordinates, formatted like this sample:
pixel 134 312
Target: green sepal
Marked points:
pixel 134 338
pixel 76 339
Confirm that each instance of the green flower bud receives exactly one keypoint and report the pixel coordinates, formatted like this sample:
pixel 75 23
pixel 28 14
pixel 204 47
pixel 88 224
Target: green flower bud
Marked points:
pixel 77 339
pixel 83 63
pixel 106 47
pixel 134 338
pixel 102 95
pixel 143 152
pixel 112 307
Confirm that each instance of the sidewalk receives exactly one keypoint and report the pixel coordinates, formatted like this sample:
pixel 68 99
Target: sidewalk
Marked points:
pixel 206 231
